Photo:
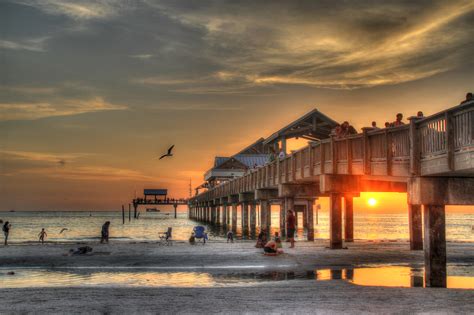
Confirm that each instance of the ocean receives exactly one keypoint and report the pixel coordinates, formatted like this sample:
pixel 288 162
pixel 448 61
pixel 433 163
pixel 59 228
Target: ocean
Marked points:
pixel 83 226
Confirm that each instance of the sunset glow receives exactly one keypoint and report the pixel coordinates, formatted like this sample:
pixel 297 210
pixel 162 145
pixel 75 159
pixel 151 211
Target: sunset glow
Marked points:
pixel 372 202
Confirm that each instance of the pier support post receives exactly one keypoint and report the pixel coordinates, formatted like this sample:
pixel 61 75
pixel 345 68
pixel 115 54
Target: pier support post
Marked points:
pixel 335 221
pixel 245 217
pixel 310 219
pixel 253 216
pixel 283 218
pixel 349 218
pixel 175 210
pixel 289 204
pixel 234 217
pixel 305 217
pixel 415 227
pixel 218 214
pixel 224 214
pixel 265 216
pixel 213 214
pixel 435 245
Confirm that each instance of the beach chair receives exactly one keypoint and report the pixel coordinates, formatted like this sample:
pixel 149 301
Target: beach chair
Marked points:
pixel 165 237
pixel 200 234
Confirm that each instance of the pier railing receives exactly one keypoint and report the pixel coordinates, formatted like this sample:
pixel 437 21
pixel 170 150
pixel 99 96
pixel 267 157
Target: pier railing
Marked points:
pixel 438 145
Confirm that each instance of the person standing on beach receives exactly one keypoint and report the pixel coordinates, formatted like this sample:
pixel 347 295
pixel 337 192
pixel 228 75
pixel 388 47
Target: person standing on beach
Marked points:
pixel 105 232
pixel 6 230
pixel 42 235
pixel 290 228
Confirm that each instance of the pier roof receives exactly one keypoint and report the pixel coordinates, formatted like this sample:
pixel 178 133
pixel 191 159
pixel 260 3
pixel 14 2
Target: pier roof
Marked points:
pixel 311 126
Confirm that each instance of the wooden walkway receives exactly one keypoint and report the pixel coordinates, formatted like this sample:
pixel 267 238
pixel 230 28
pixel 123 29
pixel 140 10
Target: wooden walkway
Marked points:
pixel 432 159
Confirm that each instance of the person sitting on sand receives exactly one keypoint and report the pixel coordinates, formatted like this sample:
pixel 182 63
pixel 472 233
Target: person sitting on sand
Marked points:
pixel 42 235
pixel 261 239
pixel 79 251
pixel 105 232
pixel 192 239
pixel 277 240
pixel 6 231
pixel 230 236
pixel 271 249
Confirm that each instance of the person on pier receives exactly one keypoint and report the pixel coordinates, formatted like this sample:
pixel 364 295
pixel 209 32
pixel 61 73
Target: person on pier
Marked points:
pixel 398 121
pixel 281 155
pixel 468 98
pixel 290 227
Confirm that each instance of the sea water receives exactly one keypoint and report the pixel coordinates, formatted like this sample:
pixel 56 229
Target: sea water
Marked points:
pixel 86 225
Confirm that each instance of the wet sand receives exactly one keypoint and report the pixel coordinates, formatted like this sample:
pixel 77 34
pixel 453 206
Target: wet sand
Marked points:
pixel 266 297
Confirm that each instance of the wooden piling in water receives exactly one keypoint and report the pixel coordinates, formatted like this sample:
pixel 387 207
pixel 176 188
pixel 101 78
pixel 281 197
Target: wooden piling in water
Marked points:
pixel 123 214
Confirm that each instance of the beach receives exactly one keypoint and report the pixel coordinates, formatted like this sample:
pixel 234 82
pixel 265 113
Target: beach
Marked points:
pixel 219 259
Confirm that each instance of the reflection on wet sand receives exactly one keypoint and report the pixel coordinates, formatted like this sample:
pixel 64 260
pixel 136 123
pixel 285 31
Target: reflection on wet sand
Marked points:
pixel 383 276
pixel 389 276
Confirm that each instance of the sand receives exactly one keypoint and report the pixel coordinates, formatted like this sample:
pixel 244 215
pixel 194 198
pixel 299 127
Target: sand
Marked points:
pixel 295 296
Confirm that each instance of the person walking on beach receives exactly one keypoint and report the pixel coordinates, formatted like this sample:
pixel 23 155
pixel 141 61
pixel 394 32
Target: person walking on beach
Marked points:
pixel 42 235
pixel 105 232
pixel 290 228
pixel 6 230
pixel 230 236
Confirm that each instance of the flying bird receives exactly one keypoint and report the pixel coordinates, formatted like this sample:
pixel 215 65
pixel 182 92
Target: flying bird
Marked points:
pixel 64 229
pixel 169 152
pixel 61 162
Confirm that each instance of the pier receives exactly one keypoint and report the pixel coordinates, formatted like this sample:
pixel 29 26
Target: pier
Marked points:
pixel 157 197
pixel 431 159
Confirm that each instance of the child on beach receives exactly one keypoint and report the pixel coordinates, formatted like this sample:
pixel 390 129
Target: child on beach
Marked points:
pixel 42 235
pixel 230 236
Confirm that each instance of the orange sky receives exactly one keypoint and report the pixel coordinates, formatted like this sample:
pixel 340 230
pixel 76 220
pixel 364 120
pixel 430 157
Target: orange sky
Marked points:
pixel 92 93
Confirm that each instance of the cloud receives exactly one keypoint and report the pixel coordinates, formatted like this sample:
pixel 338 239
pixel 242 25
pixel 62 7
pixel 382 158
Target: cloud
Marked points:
pixel 142 56
pixel 36 45
pixel 92 173
pixel 64 107
pixel 78 9
pixel 29 90
pixel 344 45
pixel 85 173
pixel 41 156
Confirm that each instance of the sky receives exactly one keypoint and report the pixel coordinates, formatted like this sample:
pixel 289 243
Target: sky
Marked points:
pixel 92 92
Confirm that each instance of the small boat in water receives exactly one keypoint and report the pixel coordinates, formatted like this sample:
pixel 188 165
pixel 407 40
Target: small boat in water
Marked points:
pixel 152 210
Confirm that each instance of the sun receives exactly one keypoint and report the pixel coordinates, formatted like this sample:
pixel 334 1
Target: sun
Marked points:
pixel 372 202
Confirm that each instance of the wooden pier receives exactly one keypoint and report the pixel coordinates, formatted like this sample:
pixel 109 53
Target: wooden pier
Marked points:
pixel 157 197
pixel 432 159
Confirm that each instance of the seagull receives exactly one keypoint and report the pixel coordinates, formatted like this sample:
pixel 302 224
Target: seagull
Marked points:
pixel 64 229
pixel 169 152
pixel 61 162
